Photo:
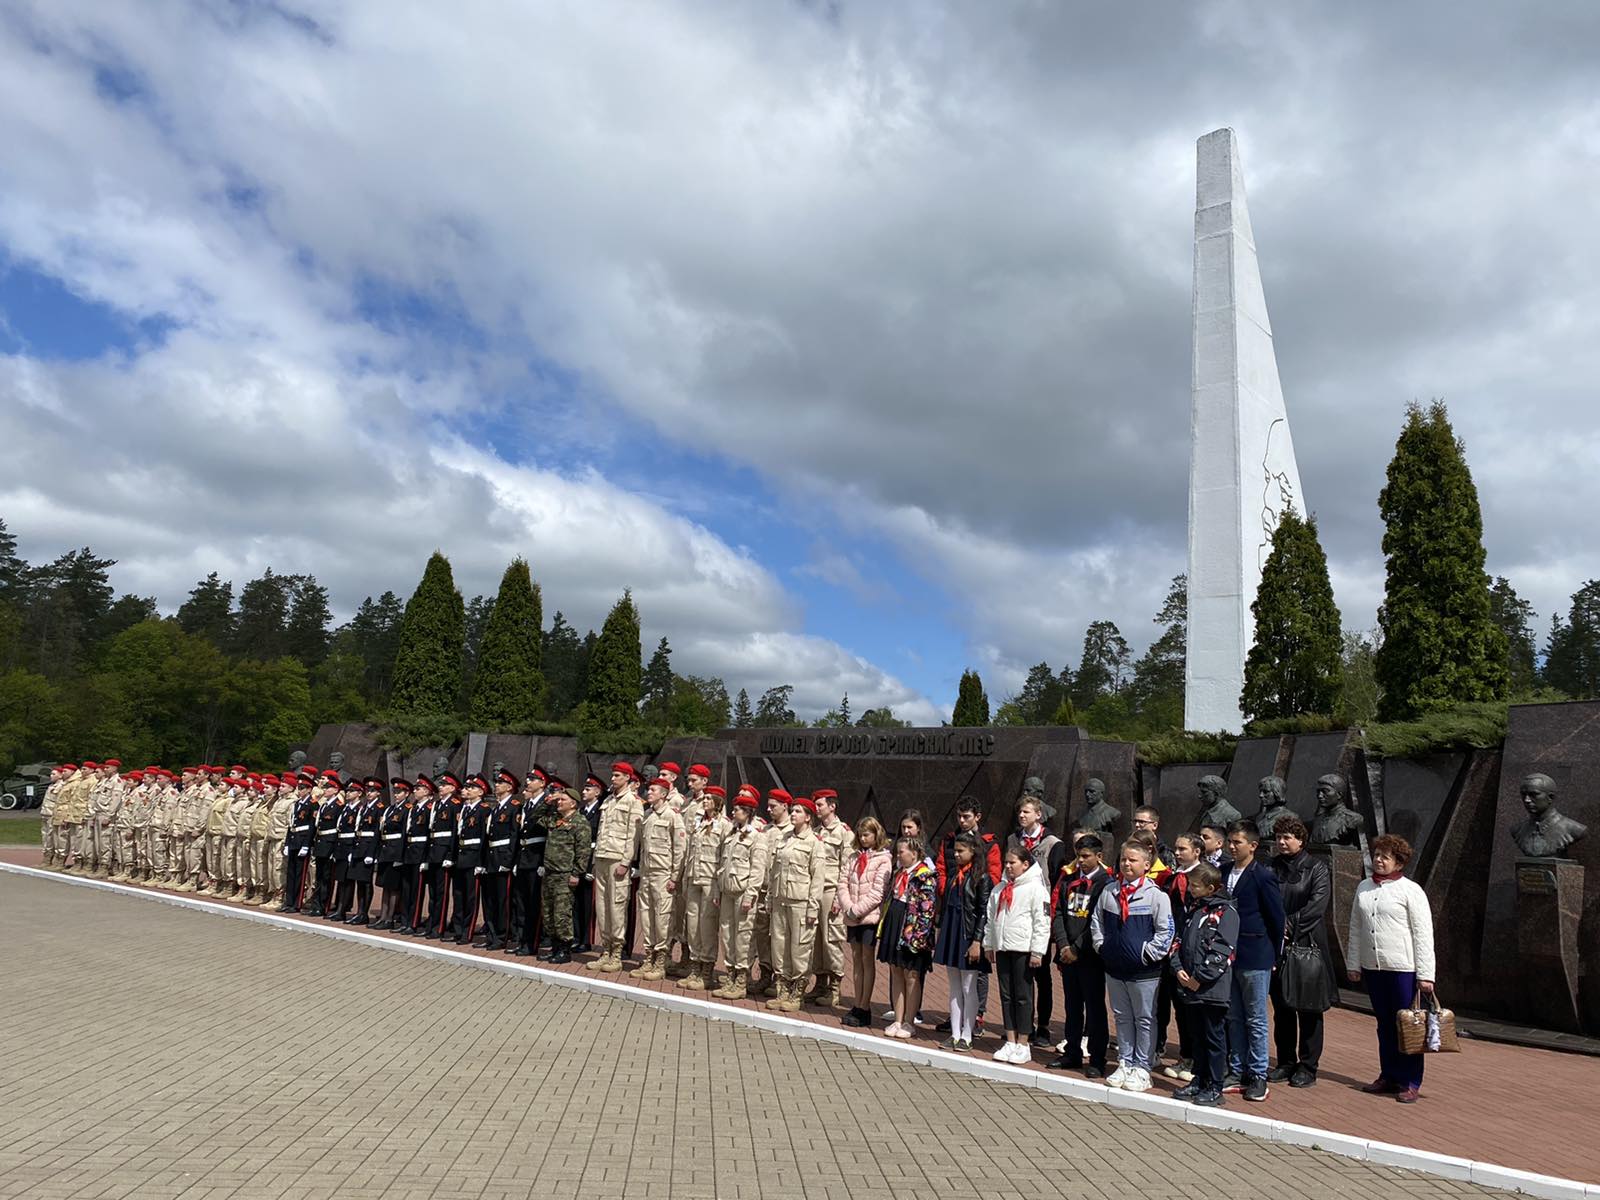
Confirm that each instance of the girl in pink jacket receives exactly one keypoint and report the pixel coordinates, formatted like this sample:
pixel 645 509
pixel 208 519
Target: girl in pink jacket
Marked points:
pixel 861 886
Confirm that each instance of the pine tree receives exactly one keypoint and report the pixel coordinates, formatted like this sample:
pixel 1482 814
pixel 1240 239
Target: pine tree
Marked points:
pixel 972 705
pixel 427 664
pixel 1572 655
pixel 258 633
pixel 508 686
pixel 1514 615
pixel 1104 668
pixel 612 691
pixel 375 638
pixel 773 708
pixel 13 570
pixel 1440 644
pixel 1294 666
pixel 743 718
pixel 208 611
pixel 844 709
pixel 306 629
pixel 563 667
pixel 1157 688
pixel 477 620
pixel 656 686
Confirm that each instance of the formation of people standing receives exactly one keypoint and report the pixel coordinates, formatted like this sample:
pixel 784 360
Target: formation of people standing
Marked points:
pixel 1210 929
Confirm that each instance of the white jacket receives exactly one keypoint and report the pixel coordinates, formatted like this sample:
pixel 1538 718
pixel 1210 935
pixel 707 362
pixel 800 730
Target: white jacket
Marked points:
pixel 1391 928
pixel 1025 926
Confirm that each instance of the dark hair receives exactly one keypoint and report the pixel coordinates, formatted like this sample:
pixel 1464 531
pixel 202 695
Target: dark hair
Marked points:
pixel 971 841
pixel 1207 874
pixel 918 850
pixel 1089 841
pixel 1248 828
pixel 1192 839
pixel 1395 846
pixel 1220 830
pixel 1145 839
pixel 1292 826
pixel 912 814
pixel 968 804
pixel 1016 851
pixel 1148 809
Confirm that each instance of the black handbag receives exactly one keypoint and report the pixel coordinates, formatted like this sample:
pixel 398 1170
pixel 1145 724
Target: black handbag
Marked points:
pixel 1305 978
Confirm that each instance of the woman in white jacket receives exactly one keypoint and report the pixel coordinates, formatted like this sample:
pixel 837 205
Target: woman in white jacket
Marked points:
pixel 1391 951
pixel 1018 934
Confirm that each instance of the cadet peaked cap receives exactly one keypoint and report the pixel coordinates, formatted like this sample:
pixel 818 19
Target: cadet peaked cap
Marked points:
pixel 479 781
pixel 449 778
pixel 355 784
pixel 537 773
pixel 804 802
pixel 400 784
pixel 424 783
pixel 557 783
pixel 506 777
pixel 594 781
pixel 372 781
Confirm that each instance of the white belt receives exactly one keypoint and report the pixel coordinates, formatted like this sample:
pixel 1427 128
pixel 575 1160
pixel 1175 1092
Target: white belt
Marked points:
pixel 471 841
pixel 393 837
pixel 443 833
pixel 301 828
pixel 347 835
pixel 419 838
pixel 501 842
pixel 534 841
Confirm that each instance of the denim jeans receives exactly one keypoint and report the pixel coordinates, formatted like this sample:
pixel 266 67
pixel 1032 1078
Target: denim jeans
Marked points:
pixel 1247 1024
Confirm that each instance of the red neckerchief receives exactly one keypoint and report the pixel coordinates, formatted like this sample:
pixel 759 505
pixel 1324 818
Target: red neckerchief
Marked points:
pixel 1032 840
pixel 861 863
pixel 1005 894
pixel 900 885
pixel 1125 892
pixel 1380 880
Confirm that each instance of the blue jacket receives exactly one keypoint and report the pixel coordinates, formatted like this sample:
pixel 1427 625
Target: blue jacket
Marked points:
pixel 1206 949
pixel 1260 906
pixel 1135 947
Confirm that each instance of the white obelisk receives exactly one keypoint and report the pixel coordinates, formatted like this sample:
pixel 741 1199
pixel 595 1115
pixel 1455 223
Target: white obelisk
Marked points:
pixel 1242 472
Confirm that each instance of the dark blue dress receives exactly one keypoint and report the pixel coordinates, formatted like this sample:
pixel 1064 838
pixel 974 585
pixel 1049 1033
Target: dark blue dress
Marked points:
pixel 951 948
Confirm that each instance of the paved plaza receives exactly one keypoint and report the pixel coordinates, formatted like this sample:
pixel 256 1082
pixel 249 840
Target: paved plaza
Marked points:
pixel 154 1051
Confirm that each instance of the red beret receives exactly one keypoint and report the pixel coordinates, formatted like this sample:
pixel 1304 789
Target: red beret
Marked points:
pixel 673 767
pixel 751 790
pixel 780 795
pixel 804 802
pixel 701 770
pixel 238 768
pixel 90 766
pixel 661 781
pixel 67 767
pixel 624 768
pixel 714 790
pixel 112 762
pixel 824 794
pixel 744 799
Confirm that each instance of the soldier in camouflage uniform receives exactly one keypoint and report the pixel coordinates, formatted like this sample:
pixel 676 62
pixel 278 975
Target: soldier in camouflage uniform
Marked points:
pixel 566 861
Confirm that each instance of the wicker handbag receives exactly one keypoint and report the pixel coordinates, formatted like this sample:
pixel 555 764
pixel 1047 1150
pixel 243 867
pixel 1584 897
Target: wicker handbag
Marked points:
pixel 1427 1027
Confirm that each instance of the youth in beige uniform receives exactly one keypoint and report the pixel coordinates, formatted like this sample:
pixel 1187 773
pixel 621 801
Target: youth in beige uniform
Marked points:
pixel 139 825
pixel 122 826
pixel 661 848
pixel 72 810
pixel 686 807
pixel 115 800
pixel 49 837
pixel 827 959
pixel 281 811
pixel 741 874
pixel 195 814
pixel 97 829
pixel 232 820
pixel 794 885
pixel 777 826
pixel 705 832
pixel 216 875
pixel 616 845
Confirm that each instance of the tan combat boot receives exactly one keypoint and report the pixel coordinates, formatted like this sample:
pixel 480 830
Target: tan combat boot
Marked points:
pixel 818 987
pixel 644 965
pixel 708 975
pixel 732 986
pixel 780 996
pixel 611 961
pixel 694 981
pixel 796 997
pixel 830 998
pixel 656 967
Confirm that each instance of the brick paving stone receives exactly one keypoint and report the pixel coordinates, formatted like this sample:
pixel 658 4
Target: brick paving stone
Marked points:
pixel 153 1050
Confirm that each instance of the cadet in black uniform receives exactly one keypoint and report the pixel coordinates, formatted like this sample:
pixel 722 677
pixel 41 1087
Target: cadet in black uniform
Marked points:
pixel 392 852
pixel 364 851
pixel 415 863
pixel 326 848
pixel 297 846
pixel 442 853
pixel 594 790
pixel 499 856
pixel 468 868
pixel 530 858
pixel 344 886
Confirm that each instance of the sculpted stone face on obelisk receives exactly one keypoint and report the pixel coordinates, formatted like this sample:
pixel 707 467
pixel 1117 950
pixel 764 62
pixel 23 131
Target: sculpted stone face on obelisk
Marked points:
pixel 1242 472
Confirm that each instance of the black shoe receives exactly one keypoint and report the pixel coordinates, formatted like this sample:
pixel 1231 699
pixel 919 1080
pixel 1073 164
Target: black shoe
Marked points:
pixel 562 955
pixel 1280 1074
pixel 1064 1063
pixel 942 1027
pixel 1187 1092
pixel 361 920
pixel 580 948
pixel 494 944
pixel 1232 1083
pixel 1094 1072
pixel 312 912
pixel 337 916
pixel 1256 1090
pixel 1303 1077
pixel 855 1019
pixel 406 929
pixel 1210 1098
pixel 460 939
pixel 1042 1040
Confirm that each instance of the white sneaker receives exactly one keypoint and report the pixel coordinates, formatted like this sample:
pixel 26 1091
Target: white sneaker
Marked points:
pixel 1138 1080
pixel 1118 1077
pixel 1171 1071
pixel 889 1016
pixel 1021 1053
pixel 1004 1053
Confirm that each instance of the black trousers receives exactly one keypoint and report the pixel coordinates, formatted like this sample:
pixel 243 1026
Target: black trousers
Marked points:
pixel 492 890
pixel 583 912
pixel 1296 1033
pixel 324 895
pixel 1208 1032
pixel 1044 994
pixel 1016 990
pixel 525 907
pixel 1084 986
pixel 294 880
pixel 463 901
pixel 436 882
pixel 408 912
pixel 1165 990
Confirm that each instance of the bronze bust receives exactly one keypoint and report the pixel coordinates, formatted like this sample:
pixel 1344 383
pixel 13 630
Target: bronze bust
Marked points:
pixel 1273 808
pixel 336 765
pixel 297 760
pixel 1214 806
pixel 1097 816
pixel 1033 789
pixel 1544 832
pixel 1336 823
pixel 441 764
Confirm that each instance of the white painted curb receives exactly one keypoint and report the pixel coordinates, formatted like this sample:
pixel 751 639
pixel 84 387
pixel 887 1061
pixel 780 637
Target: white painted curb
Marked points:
pixel 1379 1153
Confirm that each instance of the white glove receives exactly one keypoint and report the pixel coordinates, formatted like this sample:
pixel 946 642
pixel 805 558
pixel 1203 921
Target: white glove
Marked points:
pixel 367 861
pixel 633 873
pixel 477 870
pixel 284 852
pixel 541 872
pixel 422 866
pixel 447 864
pixel 304 850
pixel 590 878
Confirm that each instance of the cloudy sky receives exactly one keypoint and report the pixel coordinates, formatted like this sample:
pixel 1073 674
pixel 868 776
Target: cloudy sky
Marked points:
pixel 854 337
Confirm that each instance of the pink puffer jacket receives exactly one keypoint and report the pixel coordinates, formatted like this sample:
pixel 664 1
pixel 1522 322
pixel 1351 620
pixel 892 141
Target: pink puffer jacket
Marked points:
pixel 861 886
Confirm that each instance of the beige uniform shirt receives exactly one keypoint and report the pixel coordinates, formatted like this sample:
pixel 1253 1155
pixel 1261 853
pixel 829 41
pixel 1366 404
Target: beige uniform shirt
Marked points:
pixel 72 808
pixel 282 813
pixel 661 843
pixel 168 808
pixel 617 839
pixel 47 806
pixel 140 803
pixel 742 861
pixel 233 815
pixel 261 814
pixel 797 868
pixel 216 819
pixel 705 845
pixel 838 844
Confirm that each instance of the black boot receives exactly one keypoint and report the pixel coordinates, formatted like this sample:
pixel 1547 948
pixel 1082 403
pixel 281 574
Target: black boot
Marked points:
pixel 562 953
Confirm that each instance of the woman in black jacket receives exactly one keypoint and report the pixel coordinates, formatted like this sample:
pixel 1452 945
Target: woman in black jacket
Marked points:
pixel 963 914
pixel 1303 986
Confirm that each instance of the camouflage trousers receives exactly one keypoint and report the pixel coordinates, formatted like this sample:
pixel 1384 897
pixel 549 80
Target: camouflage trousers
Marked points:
pixel 557 910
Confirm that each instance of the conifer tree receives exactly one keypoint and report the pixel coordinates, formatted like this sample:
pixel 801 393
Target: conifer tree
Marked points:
pixel 972 705
pixel 507 686
pixel 1440 643
pixel 612 696
pixel 743 716
pixel 427 664
pixel 656 686
pixel 1294 666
